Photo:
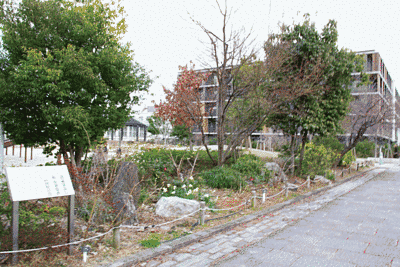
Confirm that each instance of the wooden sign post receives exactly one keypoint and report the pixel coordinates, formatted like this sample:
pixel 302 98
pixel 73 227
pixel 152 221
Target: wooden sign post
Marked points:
pixel 27 183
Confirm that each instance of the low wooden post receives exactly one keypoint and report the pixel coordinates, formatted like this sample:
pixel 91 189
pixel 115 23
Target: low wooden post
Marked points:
pixel 254 199
pixel 13 150
pixel 117 237
pixel 263 197
pixel 286 193
pixel 71 224
pixel 202 207
pixel 25 153
pixel 308 181
pixel 31 152
pixel 6 150
pixel 20 150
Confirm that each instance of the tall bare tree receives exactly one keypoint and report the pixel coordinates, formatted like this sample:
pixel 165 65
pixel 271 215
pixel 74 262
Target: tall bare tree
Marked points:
pixel 368 114
pixel 248 88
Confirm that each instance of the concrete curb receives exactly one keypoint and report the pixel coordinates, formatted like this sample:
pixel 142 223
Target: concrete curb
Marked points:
pixel 189 239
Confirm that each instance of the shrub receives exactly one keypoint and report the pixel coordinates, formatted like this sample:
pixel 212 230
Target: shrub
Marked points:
pixel 347 159
pixel 155 165
pixel 223 177
pixel 317 159
pixel 251 166
pixel 365 149
pixel 329 141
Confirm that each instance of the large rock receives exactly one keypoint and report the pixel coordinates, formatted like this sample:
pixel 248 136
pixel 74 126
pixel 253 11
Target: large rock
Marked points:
pixel 175 206
pixel 127 181
pixel 322 179
pixel 126 209
pixel 278 174
pixel 126 191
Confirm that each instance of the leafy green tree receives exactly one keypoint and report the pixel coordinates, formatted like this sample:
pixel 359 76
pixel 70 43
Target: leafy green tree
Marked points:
pixel 183 132
pixel 65 77
pixel 320 113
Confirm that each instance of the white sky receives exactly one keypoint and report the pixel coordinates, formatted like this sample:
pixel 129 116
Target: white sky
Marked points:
pixel 163 36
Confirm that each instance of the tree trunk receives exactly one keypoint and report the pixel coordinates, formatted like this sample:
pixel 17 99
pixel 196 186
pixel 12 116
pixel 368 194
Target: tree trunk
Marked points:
pixel 78 156
pixel 303 145
pixel 292 153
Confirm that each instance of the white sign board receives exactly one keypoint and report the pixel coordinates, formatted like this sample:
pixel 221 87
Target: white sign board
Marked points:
pixel 26 183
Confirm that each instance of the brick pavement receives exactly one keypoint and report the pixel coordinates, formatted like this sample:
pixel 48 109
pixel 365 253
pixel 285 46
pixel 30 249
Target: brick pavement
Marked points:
pixel 225 246
pixel 299 234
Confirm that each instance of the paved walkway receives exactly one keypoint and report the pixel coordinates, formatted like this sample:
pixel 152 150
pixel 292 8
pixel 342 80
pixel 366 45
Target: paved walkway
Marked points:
pixel 353 224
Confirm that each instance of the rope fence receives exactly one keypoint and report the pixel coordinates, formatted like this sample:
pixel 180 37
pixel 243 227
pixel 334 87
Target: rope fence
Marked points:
pixel 201 211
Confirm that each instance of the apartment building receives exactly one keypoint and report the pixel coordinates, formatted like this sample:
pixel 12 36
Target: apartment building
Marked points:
pixel 379 94
pixel 381 88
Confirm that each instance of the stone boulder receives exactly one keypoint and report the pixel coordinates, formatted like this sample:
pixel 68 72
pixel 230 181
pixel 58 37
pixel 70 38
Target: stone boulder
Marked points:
pixel 322 179
pixel 126 209
pixel 126 192
pixel 278 174
pixel 175 206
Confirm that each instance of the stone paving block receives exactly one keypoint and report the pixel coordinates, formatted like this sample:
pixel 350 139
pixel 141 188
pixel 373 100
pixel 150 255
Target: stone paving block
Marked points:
pixel 180 256
pixel 212 245
pixel 167 264
pixel 209 241
pixel 216 256
pixel 195 259
pixel 228 250
pixel 305 249
pixel 196 246
pixel 152 263
pixel 396 262
pixel 236 239
pixel 382 250
pixel 242 262
pixel 245 235
pixel 361 259
pixel 274 244
pixel 346 244
pixel 250 239
pixel 317 261
pixel 215 249
pixel 279 256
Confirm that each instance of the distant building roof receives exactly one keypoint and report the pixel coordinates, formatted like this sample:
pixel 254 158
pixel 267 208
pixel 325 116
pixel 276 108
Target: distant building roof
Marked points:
pixel 133 122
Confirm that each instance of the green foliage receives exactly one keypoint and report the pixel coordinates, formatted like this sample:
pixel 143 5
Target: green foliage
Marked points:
pixel 185 189
pixel 317 159
pixel 66 76
pixel 144 195
pixel 155 165
pixel 323 112
pixel 183 132
pixel 347 159
pixel 252 167
pixel 223 177
pixel 329 141
pixel 152 242
pixel 365 149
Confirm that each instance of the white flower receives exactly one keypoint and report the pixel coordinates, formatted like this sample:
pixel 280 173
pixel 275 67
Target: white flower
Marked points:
pixel 173 192
pixel 184 186
pixel 174 187
pixel 206 195
pixel 165 190
pixel 189 192
pixel 196 189
pixel 191 178
pixel 190 185
pixel 168 185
